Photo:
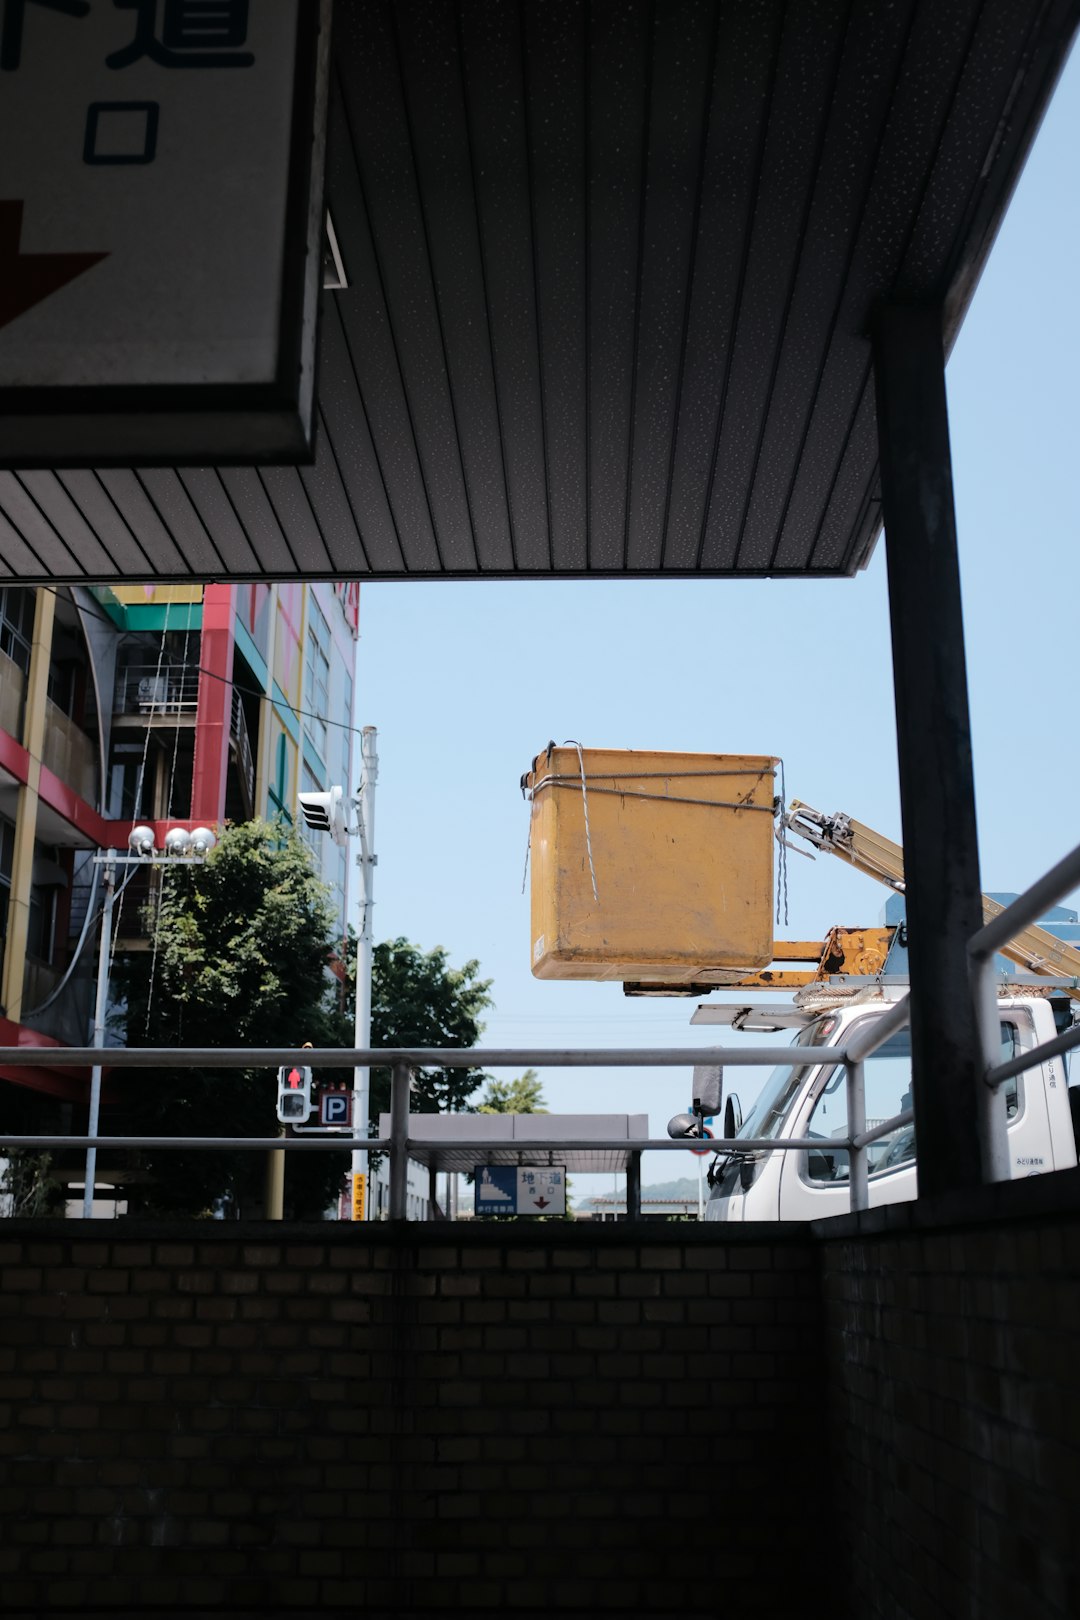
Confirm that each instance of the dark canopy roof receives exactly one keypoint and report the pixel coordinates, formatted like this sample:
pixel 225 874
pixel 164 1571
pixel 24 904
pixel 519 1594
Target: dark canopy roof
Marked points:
pixel 610 272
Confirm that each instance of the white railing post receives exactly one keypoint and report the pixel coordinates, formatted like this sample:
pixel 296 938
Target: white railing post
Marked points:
pixel 992 1120
pixel 858 1183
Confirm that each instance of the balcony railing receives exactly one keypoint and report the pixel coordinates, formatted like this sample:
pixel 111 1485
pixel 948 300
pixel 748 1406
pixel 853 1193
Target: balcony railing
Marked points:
pixel 150 689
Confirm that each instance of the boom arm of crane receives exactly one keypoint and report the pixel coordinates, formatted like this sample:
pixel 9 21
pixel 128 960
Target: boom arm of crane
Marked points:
pixel 1033 948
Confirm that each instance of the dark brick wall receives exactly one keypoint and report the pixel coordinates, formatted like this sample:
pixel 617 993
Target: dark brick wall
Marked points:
pixel 953 1339
pixel 567 1420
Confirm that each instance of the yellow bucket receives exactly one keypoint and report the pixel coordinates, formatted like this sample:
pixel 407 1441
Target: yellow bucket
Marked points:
pixel 650 865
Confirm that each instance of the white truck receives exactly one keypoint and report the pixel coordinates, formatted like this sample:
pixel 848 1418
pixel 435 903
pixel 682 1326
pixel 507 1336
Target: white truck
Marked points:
pixel 858 974
pixel 808 1098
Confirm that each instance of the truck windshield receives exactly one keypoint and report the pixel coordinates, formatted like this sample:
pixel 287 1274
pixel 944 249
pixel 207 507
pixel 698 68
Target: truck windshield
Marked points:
pixel 767 1115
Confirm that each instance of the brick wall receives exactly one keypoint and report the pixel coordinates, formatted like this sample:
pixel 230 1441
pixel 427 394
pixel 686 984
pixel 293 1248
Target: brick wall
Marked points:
pixel 953 1339
pixel 568 1420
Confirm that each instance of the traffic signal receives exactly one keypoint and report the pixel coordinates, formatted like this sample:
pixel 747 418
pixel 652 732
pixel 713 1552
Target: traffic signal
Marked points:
pixel 294 1094
pixel 326 812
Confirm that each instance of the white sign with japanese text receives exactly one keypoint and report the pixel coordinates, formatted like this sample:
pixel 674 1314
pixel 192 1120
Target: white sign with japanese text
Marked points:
pixel 147 150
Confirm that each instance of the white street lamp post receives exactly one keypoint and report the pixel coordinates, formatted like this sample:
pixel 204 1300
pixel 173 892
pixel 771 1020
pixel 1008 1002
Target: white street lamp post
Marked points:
pixel 180 844
pixel 100 1007
pixel 364 947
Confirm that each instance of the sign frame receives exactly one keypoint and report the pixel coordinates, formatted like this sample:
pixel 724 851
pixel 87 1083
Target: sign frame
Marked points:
pixel 210 424
pixel 513 1173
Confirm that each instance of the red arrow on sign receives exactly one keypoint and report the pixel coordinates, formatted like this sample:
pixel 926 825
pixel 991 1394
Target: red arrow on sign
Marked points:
pixel 27 278
pixel 543 1202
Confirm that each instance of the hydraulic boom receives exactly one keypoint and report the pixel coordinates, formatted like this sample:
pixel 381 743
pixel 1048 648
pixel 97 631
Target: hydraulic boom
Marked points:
pixel 1033 948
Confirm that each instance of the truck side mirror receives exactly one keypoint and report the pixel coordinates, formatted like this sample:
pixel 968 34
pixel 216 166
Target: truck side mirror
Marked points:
pixel 684 1126
pixel 732 1116
pixel 708 1092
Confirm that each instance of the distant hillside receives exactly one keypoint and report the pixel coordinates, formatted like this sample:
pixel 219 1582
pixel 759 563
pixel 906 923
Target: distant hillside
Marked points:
pixel 686 1188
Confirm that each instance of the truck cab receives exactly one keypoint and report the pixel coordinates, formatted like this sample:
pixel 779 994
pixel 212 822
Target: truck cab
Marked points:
pixel 808 1098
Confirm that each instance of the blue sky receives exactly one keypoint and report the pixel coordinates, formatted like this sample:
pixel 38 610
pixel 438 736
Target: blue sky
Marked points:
pixel 467 681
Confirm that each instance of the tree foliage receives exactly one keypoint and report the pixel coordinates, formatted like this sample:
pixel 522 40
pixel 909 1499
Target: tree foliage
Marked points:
pixel 418 999
pixel 239 953
pixel 26 1187
pixel 524 1095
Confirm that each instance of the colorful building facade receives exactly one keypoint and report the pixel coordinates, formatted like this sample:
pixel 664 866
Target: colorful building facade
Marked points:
pixel 162 705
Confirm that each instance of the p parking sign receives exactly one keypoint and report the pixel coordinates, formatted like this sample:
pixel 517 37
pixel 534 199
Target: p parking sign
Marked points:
pixel 335 1108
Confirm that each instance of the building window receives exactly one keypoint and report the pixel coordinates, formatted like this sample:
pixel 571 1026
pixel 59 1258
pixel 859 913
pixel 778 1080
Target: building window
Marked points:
pixel 45 886
pixel 341 884
pixel 347 738
pixel 126 793
pixel 17 625
pixel 317 678
pixel 7 861
pixel 278 789
pixel 313 839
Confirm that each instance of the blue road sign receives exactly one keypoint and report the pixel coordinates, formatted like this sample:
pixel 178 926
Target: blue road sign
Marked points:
pixel 496 1189
pixel 335 1108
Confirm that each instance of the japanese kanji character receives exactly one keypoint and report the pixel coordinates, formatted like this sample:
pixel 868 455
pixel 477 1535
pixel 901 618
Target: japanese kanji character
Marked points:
pixel 194 34
pixel 12 32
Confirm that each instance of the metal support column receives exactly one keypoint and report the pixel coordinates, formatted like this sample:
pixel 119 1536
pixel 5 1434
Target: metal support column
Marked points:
pixel 633 1187
pixel 400 1085
pixel 937 793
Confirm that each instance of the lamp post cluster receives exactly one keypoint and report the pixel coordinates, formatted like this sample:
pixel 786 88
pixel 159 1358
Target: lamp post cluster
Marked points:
pixel 180 845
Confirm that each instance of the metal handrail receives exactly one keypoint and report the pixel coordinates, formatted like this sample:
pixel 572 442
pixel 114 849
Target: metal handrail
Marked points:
pixel 384 1057
pixel 402 1061
pixel 862 1043
pixel 1028 908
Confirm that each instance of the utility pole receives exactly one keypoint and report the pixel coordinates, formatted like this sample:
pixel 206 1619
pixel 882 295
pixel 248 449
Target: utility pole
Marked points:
pixel 364 947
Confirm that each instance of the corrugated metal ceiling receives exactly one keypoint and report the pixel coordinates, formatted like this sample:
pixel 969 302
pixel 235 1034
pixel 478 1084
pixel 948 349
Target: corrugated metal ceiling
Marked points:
pixel 610 271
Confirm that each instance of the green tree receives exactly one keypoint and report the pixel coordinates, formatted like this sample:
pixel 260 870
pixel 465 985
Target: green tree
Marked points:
pixel 26 1187
pixel 239 956
pixel 525 1095
pixel 418 999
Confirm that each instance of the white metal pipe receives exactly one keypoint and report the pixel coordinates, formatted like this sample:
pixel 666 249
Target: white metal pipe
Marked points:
pixel 417 1057
pixel 425 1145
pixel 991 1117
pixel 867 1039
pixel 361 1101
pixel 858 1183
pixel 886 1128
pixel 1038 1054
pixel 101 1002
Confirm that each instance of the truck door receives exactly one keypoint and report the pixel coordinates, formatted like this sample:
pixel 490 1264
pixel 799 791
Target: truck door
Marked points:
pixel 814 1183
